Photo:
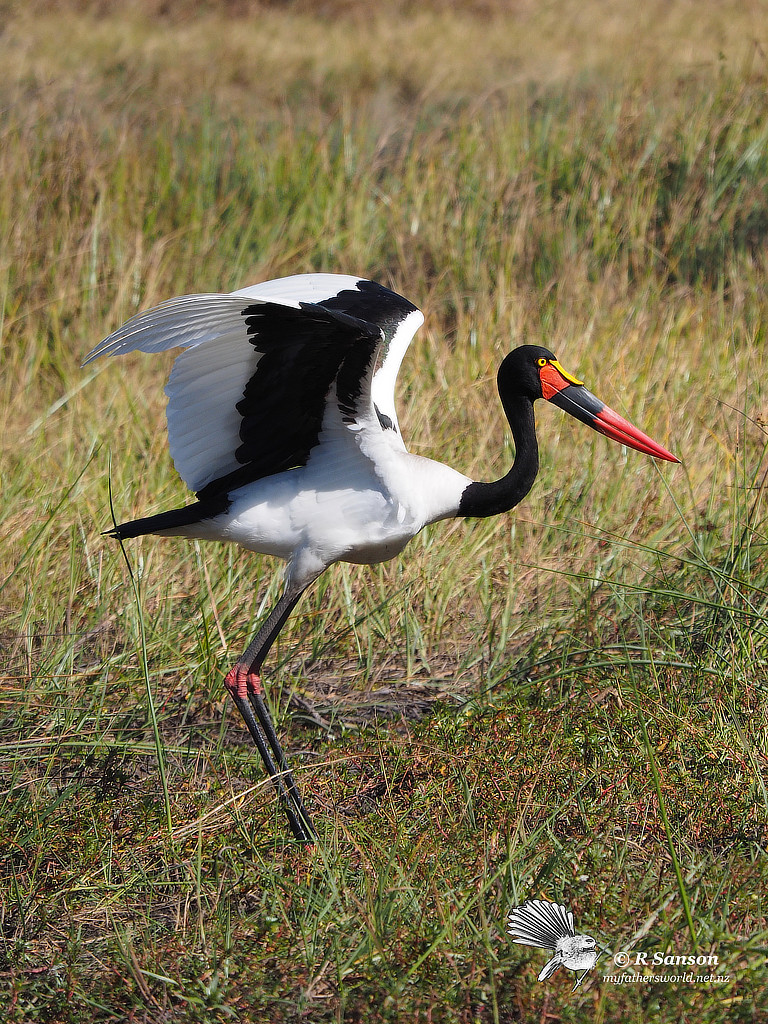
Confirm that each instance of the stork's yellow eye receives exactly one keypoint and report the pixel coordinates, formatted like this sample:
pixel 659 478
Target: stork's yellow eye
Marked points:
pixel 542 361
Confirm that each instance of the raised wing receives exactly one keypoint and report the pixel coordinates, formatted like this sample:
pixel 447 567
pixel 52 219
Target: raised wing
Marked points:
pixel 248 396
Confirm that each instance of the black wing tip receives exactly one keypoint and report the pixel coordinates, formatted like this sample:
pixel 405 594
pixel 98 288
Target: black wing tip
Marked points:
pixel 328 314
pixel 257 315
pixel 368 303
pixel 372 302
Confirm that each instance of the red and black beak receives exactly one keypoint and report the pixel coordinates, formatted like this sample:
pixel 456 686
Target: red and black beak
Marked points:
pixel 560 388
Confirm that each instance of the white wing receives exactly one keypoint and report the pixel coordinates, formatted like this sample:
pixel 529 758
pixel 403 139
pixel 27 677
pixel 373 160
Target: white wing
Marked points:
pixel 209 380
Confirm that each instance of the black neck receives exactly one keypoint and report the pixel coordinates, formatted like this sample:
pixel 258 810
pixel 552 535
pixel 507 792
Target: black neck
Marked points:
pixel 490 499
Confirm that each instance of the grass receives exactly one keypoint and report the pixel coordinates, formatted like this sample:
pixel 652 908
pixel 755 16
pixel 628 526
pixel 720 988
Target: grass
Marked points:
pixel 567 702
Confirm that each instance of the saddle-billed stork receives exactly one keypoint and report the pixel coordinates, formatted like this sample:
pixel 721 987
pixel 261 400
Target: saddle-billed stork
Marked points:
pixel 282 420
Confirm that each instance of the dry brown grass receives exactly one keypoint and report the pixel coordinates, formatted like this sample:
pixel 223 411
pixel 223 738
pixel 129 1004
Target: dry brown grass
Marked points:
pixel 261 59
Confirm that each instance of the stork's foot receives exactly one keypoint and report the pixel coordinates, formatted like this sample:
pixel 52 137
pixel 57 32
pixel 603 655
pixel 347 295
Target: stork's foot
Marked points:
pixel 242 683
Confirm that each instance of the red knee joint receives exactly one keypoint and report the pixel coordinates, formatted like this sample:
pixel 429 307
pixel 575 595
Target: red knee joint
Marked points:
pixel 240 682
pixel 253 682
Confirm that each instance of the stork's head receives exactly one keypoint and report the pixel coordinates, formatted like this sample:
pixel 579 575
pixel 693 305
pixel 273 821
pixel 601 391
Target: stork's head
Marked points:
pixel 534 372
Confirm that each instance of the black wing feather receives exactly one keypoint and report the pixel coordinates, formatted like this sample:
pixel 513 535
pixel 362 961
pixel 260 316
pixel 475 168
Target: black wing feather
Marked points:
pixel 303 351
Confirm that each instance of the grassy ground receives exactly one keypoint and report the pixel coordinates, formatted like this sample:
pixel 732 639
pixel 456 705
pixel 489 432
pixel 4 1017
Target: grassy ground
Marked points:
pixel 567 702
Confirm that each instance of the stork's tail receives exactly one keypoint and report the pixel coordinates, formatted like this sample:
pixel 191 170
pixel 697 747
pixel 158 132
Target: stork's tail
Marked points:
pixel 178 521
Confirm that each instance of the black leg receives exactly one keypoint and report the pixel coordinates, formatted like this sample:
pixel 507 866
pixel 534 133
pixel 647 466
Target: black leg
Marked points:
pixel 282 779
pixel 282 776
pixel 244 684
